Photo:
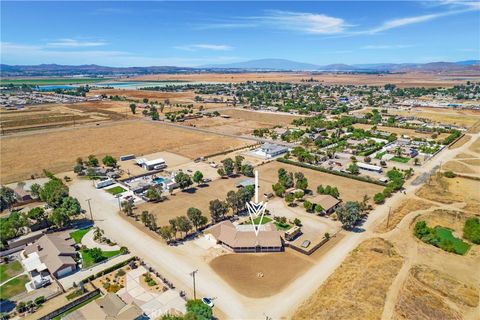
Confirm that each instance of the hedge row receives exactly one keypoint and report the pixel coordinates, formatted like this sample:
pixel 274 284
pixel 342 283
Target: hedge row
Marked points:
pixel 109 269
pixel 337 173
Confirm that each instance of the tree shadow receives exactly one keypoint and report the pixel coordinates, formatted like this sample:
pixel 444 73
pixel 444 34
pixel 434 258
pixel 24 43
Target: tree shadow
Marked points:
pixel 190 190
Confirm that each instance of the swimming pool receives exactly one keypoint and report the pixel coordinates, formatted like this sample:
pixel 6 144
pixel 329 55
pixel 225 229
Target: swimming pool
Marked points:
pixel 159 180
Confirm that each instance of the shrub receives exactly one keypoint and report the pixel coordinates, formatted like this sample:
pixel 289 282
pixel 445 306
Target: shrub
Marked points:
pixel 379 198
pixel 449 174
pixel 471 230
pixel 39 300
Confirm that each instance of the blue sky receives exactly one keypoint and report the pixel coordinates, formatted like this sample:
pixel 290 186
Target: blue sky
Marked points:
pixel 197 33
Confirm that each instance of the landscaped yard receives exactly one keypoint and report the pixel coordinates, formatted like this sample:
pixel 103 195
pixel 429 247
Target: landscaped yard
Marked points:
pixel 401 159
pixel 13 287
pixel 88 259
pixel 265 220
pixel 282 226
pixel 9 270
pixel 116 190
pixel 78 235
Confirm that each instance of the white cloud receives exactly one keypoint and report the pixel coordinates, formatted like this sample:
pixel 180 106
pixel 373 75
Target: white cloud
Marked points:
pixel 305 22
pixel 74 43
pixel 204 46
pixel 386 46
pixel 14 53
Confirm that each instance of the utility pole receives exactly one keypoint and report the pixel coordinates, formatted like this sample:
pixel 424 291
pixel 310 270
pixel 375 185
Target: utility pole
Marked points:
pixel 388 217
pixel 90 208
pixel 194 290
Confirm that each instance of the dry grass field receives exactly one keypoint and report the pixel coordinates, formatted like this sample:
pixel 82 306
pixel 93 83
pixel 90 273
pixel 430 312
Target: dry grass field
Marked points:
pixel 159 96
pixel 349 189
pixel 61 115
pixel 227 126
pixel 358 288
pixel 401 80
pixel 259 275
pixel 463 118
pixel 398 213
pixel 402 131
pixel 25 155
pixel 448 191
pixel 265 117
pixel 459 167
pixel 460 142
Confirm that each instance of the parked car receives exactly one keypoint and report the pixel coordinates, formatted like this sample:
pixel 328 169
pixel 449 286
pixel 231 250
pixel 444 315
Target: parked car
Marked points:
pixel 206 180
pixel 305 243
pixel 208 302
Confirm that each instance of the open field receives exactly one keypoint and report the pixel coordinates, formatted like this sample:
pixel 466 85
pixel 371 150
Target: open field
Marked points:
pixel 450 190
pixel 463 118
pixel 178 204
pixel 227 126
pixel 357 289
pixel 475 147
pixel 459 167
pixel 265 117
pixel 57 151
pixel 401 80
pixel 349 189
pixel 397 214
pixel 260 275
pixel 159 96
pixel 61 115
pixel 460 142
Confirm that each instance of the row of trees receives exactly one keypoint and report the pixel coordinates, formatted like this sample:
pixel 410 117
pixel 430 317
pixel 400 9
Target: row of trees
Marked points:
pixel 396 181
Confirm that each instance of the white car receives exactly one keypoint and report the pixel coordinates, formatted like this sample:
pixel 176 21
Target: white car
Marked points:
pixel 208 302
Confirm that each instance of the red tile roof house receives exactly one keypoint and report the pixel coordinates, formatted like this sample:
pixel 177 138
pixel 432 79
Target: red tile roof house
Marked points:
pixel 56 251
pixel 242 238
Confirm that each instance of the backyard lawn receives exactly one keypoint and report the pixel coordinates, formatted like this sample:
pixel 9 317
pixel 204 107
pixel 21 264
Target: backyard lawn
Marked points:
pixel 264 220
pixel 116 190
pixel 78 235
pixel 400 159
pixel 13 287
pixel 282 226
pixel 9 270
pixel 88 260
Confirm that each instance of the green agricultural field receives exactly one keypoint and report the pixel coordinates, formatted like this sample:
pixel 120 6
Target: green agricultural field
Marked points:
pixel 9 270
pixel 13 287
pixel 51 81
pixel 78 235
pixel 116 190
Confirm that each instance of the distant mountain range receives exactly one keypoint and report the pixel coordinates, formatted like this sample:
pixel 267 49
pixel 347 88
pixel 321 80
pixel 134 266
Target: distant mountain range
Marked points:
pixel 282 64
pixel 251 65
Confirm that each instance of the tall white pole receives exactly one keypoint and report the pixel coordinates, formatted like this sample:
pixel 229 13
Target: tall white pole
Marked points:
pixel 256 186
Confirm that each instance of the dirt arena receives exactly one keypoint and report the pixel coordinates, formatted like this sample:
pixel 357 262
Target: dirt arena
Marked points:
pixel 401 80
pixel 27 154
pixel 259 275
pixel 349 189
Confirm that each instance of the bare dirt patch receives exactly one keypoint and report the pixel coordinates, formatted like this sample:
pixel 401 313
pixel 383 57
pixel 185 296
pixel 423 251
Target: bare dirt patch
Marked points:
pixel 227 126
pixel 25 155
pixel 416 302
pixel 260 275
pixel 406 207
pixel 475 147
pixel 141 94
pixel 446 285
pixel 349 189
pixel 357 289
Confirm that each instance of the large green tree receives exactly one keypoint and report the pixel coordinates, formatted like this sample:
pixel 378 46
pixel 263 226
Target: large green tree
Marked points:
pixel 348 214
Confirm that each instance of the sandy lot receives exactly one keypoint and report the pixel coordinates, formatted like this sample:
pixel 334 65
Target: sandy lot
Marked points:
pixel 349 189
pixel 258 275
pixel 25 155
pixel 401 80
pixel 357 289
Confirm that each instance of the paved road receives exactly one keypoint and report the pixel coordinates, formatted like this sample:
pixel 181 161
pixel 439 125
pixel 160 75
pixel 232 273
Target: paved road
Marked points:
pixel 176 265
